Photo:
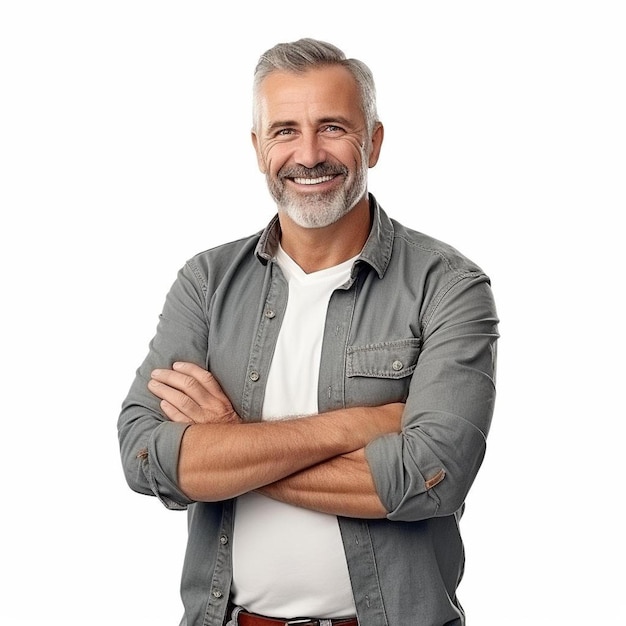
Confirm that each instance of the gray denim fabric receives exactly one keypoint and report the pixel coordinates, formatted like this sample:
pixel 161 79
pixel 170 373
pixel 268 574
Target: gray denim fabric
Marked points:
pixel 233 621
pixel 416 323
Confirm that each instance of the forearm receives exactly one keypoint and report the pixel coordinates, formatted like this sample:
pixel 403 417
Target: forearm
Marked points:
pixel 221 461
pixel 342 485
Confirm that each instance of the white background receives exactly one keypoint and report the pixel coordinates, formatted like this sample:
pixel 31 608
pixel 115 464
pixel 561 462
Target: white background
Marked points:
pixel 124 149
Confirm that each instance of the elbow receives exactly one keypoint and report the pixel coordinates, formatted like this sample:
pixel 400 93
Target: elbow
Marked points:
pixel 134 473
pixel 145 475
pixel 133 454
pixel 449 488
pixel 440 493
pixel 450 497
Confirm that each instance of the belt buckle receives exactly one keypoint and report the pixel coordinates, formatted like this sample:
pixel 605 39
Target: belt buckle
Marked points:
pixel 303 621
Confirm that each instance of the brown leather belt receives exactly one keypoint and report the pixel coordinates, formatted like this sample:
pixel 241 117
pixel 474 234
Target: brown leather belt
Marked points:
pixel 251 619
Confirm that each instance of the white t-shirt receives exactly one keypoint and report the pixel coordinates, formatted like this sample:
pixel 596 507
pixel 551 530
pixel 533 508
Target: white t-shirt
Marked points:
pixel 289 561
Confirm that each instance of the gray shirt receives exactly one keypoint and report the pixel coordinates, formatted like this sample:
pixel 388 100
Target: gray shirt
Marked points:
pixel 415 323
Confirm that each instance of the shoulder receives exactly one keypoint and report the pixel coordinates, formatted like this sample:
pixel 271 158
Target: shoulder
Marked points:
pixel 395 246
pixel 219 259
pixel 450 287
pixel 433 252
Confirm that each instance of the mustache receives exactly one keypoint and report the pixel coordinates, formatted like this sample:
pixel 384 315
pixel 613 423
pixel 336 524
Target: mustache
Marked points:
pixel 322 169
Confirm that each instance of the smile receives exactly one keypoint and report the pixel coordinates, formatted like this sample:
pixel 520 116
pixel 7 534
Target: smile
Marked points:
pixel 312 181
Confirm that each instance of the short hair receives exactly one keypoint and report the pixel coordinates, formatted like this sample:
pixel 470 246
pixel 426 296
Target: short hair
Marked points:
pixel 305 54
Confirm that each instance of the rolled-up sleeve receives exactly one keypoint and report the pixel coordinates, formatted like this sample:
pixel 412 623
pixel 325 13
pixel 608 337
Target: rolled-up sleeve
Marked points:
pixel 428 469
pixel 149 442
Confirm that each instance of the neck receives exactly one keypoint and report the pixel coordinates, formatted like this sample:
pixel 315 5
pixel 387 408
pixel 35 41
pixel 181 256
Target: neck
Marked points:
pixel 315 249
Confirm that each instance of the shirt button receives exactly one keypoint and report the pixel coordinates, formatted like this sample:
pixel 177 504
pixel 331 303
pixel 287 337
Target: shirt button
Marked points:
pixel 254 376
pixel 269 313
pixel 223 540
pixel 217 593
pixel 397 365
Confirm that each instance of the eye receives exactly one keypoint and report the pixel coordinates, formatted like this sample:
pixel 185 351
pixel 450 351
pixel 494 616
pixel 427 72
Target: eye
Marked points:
pixel 284 132
pixel 331 128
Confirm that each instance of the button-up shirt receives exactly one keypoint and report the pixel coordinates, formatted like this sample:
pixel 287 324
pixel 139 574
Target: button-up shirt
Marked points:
pixel 415 323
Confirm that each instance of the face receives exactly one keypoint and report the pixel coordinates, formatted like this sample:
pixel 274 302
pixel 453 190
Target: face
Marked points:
pixel 312 144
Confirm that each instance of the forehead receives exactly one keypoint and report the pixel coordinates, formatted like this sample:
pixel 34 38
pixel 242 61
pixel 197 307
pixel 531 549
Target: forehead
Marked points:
pixel 318 93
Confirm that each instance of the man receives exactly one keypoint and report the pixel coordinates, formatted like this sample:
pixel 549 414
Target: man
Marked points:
pixel 318 395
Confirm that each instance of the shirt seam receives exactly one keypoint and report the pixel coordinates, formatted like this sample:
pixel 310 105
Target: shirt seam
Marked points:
pixel 443 292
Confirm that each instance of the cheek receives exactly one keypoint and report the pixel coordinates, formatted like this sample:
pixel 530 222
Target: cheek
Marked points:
pixel 274 157
pixel 351 153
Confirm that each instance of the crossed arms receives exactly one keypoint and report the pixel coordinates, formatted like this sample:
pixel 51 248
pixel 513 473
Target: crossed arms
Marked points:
pixel 182 440
pixel 315 462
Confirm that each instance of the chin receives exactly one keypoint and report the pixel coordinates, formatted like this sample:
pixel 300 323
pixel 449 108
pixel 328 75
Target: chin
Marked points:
pixel 314 218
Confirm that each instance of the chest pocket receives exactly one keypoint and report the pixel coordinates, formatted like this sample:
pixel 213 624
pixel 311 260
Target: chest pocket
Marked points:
pixel 379 373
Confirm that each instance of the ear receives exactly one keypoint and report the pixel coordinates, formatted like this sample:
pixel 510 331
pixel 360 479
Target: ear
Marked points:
pixel 259 158
pixel 377 142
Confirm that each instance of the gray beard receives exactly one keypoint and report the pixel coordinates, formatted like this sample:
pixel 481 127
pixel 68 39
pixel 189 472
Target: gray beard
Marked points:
pixel 317 210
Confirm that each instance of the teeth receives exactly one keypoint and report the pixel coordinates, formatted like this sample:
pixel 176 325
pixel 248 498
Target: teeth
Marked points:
pixel 312 181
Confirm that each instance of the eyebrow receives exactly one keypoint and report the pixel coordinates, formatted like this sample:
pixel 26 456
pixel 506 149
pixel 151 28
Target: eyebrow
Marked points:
pixel 338 119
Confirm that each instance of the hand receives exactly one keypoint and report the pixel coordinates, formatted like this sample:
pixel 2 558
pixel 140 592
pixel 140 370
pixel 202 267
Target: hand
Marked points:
pixel 190 394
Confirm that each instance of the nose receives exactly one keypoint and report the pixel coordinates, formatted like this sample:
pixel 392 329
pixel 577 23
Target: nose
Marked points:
pixel 309 150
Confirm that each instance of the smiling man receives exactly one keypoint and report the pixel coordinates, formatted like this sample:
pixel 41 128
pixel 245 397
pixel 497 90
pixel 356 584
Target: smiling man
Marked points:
pixel 314 144
pixel 318 395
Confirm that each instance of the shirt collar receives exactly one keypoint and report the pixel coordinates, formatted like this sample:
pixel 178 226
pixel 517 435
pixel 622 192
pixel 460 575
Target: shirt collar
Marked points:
pixel 376 251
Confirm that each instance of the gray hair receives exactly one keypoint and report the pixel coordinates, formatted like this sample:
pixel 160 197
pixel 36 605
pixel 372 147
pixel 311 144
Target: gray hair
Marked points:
pixel 305 54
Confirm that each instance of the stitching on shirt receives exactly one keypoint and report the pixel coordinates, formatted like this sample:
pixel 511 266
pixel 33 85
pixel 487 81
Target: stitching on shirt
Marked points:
pixel 417 244
pixel 385 234
pixel 441 294
pixel 446 288
pixel 383 345
pixel 195 270
pixel 204 288
pixel 409 347
pixel 377 577
pixel 355 296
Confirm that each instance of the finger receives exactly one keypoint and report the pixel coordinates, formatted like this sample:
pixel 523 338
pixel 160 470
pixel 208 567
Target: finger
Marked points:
pixel 211 409
pixel 175 398
pixel 172 413
pixel 194 392
pixel 194 381
pixel 184 383
pixel 204 377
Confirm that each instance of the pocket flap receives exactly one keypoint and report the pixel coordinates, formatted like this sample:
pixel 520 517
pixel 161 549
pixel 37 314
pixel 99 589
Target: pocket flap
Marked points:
pixel 388 359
